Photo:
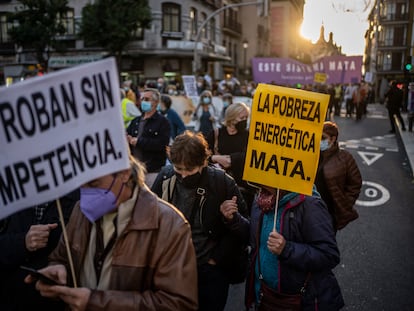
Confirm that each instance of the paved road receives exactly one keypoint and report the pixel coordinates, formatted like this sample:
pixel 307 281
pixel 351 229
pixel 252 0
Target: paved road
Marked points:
pixel 377 250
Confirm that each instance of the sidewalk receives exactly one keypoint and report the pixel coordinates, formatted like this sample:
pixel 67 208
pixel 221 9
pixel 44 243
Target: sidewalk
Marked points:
pixel 408 141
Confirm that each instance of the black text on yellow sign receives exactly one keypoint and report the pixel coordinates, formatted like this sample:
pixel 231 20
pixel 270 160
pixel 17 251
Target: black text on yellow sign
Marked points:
pixel 284 137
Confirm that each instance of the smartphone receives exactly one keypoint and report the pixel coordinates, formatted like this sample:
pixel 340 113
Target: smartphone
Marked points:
pixel 39 276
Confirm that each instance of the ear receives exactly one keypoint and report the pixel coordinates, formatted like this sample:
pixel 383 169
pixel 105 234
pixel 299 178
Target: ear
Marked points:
pixel 124 175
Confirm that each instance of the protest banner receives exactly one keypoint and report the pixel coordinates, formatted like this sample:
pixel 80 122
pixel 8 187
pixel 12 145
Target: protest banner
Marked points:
pixel 284 136
pixel 58 132
pixel 190 86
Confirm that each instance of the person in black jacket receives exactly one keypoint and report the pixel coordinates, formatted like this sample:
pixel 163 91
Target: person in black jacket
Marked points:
pixel 27 238
pixel 149 135
pixel 394 97
pixel 213 205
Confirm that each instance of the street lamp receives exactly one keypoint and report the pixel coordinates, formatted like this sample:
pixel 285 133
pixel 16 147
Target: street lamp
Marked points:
pixel 245 46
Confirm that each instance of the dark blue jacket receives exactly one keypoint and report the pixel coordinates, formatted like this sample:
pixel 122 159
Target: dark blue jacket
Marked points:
pixel 14 293
pixel 176 124
pixel 310 247
pixel 153 141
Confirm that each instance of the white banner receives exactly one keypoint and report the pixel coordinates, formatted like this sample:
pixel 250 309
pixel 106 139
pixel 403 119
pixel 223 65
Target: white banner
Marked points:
pixel 58 132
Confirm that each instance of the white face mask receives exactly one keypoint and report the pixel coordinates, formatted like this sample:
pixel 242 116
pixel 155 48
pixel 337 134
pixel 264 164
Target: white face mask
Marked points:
pixel 324 145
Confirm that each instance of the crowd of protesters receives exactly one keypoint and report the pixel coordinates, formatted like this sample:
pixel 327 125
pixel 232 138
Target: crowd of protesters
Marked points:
pixel 172 231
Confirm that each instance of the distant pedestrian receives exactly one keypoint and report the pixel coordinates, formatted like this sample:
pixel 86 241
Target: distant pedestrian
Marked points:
pixel 394 99
pixel 177 125
pixel 149 135
pixel 206 116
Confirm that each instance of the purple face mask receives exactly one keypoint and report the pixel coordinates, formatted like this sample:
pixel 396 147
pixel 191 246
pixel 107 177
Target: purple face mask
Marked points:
pixel 96 202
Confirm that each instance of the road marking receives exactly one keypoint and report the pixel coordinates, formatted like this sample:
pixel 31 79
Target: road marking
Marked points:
pixel 373 190
pixel 370 157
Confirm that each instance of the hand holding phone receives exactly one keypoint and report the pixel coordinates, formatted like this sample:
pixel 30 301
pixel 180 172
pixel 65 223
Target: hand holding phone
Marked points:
pixel 39 276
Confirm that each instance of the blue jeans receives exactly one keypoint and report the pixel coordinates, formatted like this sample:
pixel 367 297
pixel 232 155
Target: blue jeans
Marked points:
pixel 213 288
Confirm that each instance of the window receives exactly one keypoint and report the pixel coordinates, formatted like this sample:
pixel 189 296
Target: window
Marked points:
pixel 213 29
pixel 4 29
pixel 387 62
pixel 68 22
pixel 203 31
pixel 139 33
pixel 171 17
pixel 193 21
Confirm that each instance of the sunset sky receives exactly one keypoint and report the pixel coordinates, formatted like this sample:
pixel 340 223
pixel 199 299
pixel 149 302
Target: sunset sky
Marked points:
pixel 347 19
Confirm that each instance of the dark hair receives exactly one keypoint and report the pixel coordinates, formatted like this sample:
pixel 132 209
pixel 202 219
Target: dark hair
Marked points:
pixel 189 149
pixel 166 100
pixel 330 128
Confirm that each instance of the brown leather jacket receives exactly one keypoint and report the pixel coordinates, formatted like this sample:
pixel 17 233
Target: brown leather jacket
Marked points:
pixel 343 181
pixel 153 264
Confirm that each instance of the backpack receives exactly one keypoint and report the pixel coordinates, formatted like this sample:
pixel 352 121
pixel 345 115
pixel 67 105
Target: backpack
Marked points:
pixel 236 264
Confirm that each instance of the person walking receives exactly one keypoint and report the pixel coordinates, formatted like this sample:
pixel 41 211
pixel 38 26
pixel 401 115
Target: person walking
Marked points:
pixel 394 98
pixel 212 203
pixel 149 134
pixel 293 254
pixel 338 178
pixel 131 250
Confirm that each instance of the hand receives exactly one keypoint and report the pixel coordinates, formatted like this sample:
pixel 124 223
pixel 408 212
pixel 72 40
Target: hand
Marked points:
pixel 76 298
pixel 132 140
pixel 55 272
pixel 38 236
pixel 229 207
pixel 276 243
pixel 223 160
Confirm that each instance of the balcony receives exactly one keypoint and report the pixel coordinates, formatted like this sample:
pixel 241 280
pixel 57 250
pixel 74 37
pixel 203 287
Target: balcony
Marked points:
pixel 216 4
pixel 232 27
pixel 394 17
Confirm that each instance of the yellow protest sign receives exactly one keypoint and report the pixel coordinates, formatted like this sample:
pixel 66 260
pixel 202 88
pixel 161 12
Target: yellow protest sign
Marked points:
pixel 319 77
pixel 284 136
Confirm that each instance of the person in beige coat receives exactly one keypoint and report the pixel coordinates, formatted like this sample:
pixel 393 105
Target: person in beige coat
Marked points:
pixel 147 260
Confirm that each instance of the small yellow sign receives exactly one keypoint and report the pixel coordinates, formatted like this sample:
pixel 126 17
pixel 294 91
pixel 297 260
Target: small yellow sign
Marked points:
pixel 284 136
pixel 319 77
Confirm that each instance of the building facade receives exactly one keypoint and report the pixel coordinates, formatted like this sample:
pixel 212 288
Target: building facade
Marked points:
pixel 222 36
pixel 389 43
pixel 165 50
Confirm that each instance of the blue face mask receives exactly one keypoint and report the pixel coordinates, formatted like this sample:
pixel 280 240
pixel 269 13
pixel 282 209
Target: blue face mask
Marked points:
pixel 206 100
pixel 96 202
pixel 146 106
pixel 324 145
pixel 225 104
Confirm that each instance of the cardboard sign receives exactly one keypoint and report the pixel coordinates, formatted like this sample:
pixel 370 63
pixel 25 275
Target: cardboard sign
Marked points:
pixel 190 86
pixel 284 136
pixel 58 132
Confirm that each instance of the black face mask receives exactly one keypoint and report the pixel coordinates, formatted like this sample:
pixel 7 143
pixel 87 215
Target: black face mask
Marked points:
pixel 241 125
pixel 190 181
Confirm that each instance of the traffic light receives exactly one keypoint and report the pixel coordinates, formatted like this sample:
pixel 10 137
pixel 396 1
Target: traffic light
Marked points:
pixel 408 65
